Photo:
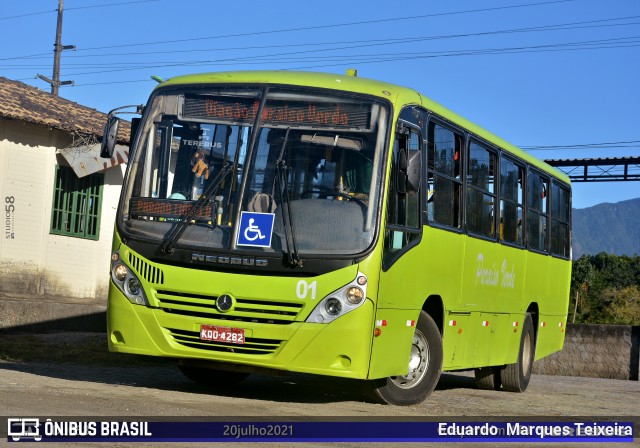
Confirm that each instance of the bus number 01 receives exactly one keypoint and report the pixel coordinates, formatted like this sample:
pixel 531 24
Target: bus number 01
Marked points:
pixel 302 289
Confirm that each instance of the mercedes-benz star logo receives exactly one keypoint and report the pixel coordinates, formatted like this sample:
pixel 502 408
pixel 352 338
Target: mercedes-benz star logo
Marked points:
pixel 224 303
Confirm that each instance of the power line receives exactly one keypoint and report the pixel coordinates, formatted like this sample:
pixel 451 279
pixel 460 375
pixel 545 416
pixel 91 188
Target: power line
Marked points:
pixel 74 8
pixel 582 146
pixel 28 14
pixel 337 25
pixel 626 42
pixel 106 5
pixel 112 82
pixel 388 57
pixel 378 42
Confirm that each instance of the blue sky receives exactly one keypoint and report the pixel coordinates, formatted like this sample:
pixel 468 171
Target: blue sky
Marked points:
pixel 535 72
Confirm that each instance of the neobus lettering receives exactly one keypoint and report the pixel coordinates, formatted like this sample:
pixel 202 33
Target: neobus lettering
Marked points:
pixel 219 259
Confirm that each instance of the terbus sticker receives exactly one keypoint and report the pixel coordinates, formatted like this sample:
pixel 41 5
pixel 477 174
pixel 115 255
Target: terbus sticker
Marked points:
pixel 256 229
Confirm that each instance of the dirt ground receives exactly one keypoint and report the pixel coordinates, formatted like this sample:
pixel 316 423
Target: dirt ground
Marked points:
pixel 72 374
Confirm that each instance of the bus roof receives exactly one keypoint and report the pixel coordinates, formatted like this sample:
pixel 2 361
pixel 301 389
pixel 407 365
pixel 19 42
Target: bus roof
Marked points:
pixel 397 94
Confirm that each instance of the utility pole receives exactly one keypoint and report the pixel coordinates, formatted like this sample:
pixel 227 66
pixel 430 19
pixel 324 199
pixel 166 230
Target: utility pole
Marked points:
pixel 57 51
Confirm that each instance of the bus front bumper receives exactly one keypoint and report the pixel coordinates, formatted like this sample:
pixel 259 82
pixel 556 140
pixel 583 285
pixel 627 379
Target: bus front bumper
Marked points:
pixel 341 348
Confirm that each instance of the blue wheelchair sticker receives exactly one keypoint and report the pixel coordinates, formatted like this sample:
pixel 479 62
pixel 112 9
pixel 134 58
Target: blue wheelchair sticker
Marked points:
pixel 256 229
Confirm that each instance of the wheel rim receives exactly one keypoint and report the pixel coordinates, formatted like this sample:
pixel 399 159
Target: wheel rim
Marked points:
pixel 418 363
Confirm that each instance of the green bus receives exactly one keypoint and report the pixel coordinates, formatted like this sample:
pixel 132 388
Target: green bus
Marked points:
pixel 334 225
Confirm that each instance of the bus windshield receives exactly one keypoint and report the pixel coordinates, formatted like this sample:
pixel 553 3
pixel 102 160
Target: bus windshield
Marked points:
pixel 313 166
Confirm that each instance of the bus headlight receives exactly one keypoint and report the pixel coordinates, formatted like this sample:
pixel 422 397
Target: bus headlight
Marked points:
pixel 127 282
pixel 340 302
pixel 133 286
pixel 333 306
pixel 120 272
pixel 355 295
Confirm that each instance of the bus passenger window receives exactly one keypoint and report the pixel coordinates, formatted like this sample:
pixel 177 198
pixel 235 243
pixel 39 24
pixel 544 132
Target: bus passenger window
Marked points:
pixel 403 209
pixel 444 180
pixel 560 220
pixel 537 212
pixel 511 200
pixel 481 194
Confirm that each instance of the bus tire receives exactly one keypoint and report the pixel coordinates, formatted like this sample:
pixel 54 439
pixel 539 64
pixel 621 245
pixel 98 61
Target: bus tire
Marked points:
pixel 488 378
pixel 425 365
pixel 212 378
pixel 515 377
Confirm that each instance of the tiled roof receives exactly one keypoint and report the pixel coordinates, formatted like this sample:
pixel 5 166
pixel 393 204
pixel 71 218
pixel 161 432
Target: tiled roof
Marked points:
pixel 23 102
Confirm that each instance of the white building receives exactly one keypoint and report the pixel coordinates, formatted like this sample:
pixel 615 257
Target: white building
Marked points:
pixel 58 206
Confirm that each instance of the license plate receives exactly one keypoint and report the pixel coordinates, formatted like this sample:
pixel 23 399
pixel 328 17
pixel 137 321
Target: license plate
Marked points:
pixel 222 334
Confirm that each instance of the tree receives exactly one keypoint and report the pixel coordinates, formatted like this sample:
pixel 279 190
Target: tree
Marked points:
pixel 605 289
pixel 623 305
pixel 581 277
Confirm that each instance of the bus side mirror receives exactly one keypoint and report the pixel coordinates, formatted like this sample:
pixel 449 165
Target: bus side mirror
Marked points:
pixel 409 170
pixel 110 137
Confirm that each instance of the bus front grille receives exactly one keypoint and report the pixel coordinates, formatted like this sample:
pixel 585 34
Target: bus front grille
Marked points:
pixel 144 269
pixel 252 346
pixel 244 310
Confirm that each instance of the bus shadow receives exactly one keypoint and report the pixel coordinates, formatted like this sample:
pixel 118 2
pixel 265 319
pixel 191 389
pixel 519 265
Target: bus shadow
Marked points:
pixel 462 380
pixel 83 357
pixel 288 387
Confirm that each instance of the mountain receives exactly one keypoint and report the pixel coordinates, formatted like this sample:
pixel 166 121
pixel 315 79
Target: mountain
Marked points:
pixel 611 228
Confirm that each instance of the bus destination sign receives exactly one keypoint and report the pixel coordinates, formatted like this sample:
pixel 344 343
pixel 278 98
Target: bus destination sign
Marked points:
pixel 279 112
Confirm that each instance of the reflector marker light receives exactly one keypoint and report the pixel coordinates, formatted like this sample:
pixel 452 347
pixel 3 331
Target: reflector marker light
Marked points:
pixel 411 323
pixel 452 323
pixel 485 323
pixel 559 324
pixel 543 324
pixel 515 324
pixel 381 323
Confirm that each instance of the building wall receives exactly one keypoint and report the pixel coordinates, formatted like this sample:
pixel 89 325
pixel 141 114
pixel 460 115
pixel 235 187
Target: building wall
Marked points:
pixel 34 264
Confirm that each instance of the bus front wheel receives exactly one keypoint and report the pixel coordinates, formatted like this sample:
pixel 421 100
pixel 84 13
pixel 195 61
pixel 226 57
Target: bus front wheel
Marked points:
pixel 515 377
pixel 425 365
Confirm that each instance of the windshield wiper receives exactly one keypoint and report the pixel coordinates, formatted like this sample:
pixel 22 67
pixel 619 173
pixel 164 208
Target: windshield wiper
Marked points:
pixel 174 235
pixel 287 220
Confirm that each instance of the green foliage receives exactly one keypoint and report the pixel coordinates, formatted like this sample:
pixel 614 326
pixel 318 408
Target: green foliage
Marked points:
pixel 607 289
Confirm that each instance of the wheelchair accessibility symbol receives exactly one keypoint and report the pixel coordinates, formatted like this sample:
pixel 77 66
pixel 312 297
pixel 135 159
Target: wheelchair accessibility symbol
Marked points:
pixel 255 229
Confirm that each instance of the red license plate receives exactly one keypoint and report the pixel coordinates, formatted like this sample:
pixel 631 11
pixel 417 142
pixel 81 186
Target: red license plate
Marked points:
pixel 222 334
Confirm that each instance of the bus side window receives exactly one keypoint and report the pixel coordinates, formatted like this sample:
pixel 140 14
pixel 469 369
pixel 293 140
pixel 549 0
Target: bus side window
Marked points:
pixel 403 209
pixel 537 212
pixel 511 201
pixel 481 193
pixel 444 176
pixel 560 220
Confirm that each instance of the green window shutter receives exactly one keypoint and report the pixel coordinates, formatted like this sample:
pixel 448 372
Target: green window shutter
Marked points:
pixel 77 203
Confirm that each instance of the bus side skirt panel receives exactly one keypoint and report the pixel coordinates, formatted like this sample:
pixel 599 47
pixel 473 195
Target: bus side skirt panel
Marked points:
pixel 392 347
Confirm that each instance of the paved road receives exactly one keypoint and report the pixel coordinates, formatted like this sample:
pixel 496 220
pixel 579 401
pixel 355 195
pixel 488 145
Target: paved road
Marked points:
pixel 53 388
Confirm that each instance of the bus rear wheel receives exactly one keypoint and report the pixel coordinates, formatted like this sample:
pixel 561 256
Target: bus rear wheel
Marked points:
pixel 212 378
pixel 425 365
pixel 515 377
pixel 488 378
